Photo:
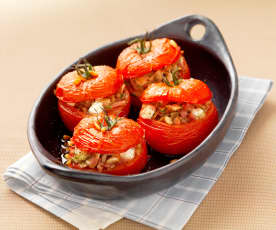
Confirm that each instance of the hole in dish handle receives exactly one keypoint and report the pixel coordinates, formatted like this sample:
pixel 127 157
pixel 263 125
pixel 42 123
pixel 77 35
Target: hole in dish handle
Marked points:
pixel 212 39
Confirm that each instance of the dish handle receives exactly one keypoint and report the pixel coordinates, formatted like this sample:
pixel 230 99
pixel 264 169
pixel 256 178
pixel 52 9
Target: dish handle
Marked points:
pixel 212 39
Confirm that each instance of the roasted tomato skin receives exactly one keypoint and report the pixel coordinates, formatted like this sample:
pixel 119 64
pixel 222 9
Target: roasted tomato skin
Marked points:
pixel 132 64
pixel 71 116
pixel 123 136
pixel 105 84
pixel 189 90
pixel 179 139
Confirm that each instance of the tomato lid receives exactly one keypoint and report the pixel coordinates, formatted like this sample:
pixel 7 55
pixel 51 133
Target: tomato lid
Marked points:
pixel 163 52
pixel 124 135
pixel 188 90
pixel 73 88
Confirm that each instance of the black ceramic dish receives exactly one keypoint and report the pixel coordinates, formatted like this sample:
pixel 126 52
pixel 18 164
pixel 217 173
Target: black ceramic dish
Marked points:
pixel 209 60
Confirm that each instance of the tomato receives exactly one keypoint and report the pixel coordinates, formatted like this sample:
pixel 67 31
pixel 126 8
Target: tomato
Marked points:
pixel 123 136
pixel 189 90
pixel 73 88
pixel 106 83
pixel 71 115
pixel 179 139
pixel 163 53
pixel 132 64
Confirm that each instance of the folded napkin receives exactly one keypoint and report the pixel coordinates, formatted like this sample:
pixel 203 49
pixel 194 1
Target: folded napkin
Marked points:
pixel 167 209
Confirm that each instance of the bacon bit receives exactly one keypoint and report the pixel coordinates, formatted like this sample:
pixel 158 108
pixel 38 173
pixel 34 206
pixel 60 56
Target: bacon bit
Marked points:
pixel 177 121
pixel 173 43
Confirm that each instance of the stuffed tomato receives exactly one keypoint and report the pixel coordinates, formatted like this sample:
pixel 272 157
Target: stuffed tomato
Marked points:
pixel 107 144
pixel 145 62
pixel 89 90
pixel 177 118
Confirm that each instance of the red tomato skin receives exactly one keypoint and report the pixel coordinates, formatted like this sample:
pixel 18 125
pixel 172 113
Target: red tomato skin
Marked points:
pixel 71 116
pixel 189 90
pixel 105 84
pixel 125 135
pixel 132 64
pixel 179 139
pixel 133 167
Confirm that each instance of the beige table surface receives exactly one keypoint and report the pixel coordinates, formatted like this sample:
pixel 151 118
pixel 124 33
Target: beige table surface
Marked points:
pixel 39 38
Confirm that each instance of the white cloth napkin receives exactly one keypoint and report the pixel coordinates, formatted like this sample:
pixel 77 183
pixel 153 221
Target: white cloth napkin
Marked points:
pixel 168 209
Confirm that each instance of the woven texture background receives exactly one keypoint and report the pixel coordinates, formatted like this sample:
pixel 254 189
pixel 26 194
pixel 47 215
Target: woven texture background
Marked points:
pixel 38 39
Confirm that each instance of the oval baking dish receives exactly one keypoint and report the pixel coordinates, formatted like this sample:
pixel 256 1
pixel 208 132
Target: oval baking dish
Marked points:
pixel 209 60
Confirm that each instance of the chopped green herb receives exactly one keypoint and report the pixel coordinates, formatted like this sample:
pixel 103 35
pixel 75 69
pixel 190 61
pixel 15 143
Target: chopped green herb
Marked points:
pixel 84 69
pixel 166 81
pixel 142 48
pixel 122 95
pixel 175 77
